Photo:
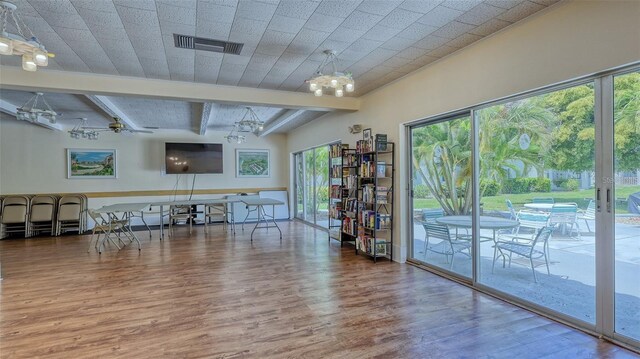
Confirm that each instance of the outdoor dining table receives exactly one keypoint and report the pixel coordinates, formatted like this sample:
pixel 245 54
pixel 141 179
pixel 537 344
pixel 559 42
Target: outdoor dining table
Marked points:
pixel 486 222
pixel 545 207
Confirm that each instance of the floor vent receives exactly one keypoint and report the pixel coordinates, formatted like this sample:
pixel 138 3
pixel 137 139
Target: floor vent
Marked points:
pixel 199 43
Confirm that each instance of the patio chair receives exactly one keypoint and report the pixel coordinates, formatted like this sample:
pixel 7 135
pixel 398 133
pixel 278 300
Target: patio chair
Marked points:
pixel 448 245
pixel 535 249
pixel 543 200
pixel 103 227
pixel 429 215
pixel 512 211
pixel 563 216
pixel 15 215
pixel 589 214
pixel 529 225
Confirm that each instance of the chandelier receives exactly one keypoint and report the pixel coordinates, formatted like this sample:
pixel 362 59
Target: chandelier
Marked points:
pixel 249 123
pixel 79 131
pixel 235 136
pixel 30 111
pixel 23 43
pixel 339 81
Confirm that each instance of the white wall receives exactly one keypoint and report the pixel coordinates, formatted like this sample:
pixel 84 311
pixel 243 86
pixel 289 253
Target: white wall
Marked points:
pixel 568 40
pixel 33 160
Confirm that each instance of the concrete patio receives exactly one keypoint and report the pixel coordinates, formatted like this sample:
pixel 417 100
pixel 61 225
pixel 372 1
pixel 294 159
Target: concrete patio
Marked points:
pixel 570 288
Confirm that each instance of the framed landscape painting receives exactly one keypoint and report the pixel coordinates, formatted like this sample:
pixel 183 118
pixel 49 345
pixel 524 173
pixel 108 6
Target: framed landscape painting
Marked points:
pixel 83 163
pixel 252 163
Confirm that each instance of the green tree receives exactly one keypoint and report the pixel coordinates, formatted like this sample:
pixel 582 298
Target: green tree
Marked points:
pixel 627 121
pixel 573 141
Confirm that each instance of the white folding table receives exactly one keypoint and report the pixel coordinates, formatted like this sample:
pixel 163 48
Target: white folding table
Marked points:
pixel 259 203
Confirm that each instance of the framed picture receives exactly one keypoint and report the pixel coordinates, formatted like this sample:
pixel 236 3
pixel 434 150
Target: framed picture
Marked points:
pixel 84 163
pixel 366 134
pixel 252 163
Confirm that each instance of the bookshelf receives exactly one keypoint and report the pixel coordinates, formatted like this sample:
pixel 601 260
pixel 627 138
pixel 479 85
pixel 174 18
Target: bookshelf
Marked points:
pixel 349 195
pixel 335 190
pixel 374 208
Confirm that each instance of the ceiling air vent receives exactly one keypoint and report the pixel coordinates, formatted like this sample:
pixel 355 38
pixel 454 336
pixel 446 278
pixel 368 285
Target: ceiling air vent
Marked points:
pixel 199 43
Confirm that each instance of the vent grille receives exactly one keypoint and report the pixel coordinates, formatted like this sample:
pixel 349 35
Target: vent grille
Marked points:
pixel 199 43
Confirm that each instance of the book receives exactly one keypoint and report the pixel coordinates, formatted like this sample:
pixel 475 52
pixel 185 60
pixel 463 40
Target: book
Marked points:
pixel 381 169
pixel 381 142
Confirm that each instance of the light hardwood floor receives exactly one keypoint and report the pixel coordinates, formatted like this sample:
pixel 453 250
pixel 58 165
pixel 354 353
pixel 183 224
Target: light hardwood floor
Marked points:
pixel 219 296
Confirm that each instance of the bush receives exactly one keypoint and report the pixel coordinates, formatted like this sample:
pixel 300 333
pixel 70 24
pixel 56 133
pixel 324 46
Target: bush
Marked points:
pixel 568 184
pixel 526 185
pixel 489 188
pixel 542 185
pixel 421 191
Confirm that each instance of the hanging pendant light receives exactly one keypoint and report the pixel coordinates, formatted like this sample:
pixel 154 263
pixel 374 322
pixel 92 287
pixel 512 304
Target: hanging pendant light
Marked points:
pixel 340 82
pixel 31 111
pixel 24 43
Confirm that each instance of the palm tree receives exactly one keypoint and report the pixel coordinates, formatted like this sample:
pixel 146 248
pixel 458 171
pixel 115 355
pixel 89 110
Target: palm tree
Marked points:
pixel 442 151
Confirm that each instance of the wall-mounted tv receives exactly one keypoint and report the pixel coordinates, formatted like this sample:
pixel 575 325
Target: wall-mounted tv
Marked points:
pixel 193 157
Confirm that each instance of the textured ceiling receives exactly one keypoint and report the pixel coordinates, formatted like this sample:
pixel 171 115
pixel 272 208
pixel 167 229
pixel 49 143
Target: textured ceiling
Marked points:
pixel 379 41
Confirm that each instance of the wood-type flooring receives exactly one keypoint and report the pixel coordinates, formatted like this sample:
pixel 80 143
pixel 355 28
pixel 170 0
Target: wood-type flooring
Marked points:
pixel 220 296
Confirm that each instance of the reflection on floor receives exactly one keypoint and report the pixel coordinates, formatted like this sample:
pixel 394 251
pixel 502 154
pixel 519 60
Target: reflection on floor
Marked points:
pixel 220 296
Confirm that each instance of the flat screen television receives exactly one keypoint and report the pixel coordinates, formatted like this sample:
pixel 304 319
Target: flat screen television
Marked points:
pixel 193 157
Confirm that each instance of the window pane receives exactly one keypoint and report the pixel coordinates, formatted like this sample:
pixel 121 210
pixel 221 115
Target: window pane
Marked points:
pixel 322 186
pixel 309 189
pixel 537 189
pixel 442 195
pixel 626 118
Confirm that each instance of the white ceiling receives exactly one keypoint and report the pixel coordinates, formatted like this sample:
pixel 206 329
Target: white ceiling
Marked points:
pixel 378 41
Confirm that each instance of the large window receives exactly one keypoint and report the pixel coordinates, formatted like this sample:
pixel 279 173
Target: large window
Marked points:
pixel 550 181
pixel 442 194
pixel 537 165
pixel 626 203
pixel 312 185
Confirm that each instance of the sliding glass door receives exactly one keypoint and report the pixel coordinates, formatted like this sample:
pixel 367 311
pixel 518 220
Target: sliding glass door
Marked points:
pixel 442 201
pixel 312 185
pixel 625 203
pixel 550 181
pixel 537 167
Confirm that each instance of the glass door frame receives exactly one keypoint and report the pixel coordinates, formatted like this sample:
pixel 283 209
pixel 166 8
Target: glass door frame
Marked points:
pixel 604 192
pixel 297 183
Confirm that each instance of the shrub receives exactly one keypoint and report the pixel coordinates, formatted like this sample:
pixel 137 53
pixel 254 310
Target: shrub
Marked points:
pixel 489 188
pixel 421 191
pixel 526 185
pixel 568 184
pixel 542 185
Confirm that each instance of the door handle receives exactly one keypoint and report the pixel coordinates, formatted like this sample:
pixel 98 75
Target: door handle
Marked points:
pixel 598 207
pixel 609 200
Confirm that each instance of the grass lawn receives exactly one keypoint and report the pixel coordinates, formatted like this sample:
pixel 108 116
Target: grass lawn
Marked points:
pixel 581 197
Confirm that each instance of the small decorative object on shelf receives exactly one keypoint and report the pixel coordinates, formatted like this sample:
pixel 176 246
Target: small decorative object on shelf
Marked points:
pixel 374 204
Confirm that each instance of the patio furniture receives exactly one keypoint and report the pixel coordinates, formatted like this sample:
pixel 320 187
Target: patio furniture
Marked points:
pixel 429 215
pixel 589 214
pixel 535 249
pixel 512 211
pixel 449 245
pixel 496 224
pixel 563 216
pixel 543 200
pixel 529 224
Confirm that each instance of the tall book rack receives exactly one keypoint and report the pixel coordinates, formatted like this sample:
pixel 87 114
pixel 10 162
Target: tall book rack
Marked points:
pixel 336 204
pixel 374 208
pixel 349 195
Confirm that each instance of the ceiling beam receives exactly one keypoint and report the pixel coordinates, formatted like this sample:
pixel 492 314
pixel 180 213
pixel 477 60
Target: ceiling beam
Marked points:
pixel 286 117
pixel 209 112
pixel 15 78
pixel 112 110
pixel 11 109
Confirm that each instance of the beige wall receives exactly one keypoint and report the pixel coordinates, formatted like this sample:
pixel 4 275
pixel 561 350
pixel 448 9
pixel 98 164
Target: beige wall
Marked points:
pixel 33 160
pixel 568 40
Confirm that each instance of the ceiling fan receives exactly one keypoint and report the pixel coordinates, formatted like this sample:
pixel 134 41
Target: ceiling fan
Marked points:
pixel 117 126
pixel 82 131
